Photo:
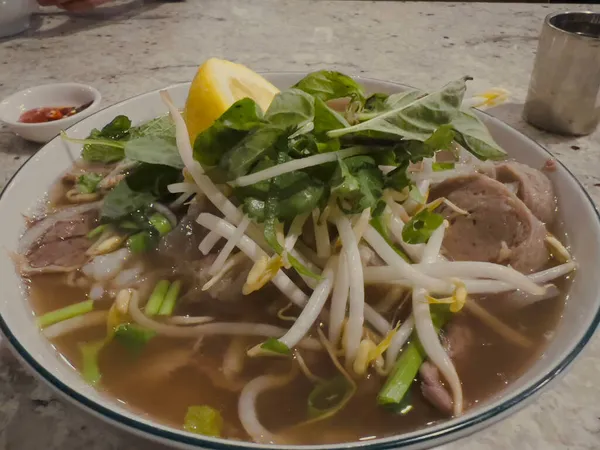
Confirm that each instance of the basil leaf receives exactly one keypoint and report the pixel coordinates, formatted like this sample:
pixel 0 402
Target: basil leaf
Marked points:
pixel 262 142
pixel 380 103
pixel 122 200
pixel 116 129
pixel 291 108
pixel 101 150
pixel 154 150
pixel 398 178
pixel 326 119
pixel 228 130
pixel 473 135
pixel 416 120
pixel 328 85
pixel 358 182
pixel 419 228
pixel 161 127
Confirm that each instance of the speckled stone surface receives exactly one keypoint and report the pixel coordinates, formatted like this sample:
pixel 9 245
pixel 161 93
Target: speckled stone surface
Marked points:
pixel 132 47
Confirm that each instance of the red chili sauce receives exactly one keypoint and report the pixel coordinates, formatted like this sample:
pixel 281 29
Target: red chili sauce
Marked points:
pixel 50 113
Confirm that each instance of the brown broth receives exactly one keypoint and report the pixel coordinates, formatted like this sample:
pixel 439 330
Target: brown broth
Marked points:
pixel 168 376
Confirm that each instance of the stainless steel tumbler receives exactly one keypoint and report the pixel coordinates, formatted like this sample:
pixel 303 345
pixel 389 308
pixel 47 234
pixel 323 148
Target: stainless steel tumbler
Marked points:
pixel 564 91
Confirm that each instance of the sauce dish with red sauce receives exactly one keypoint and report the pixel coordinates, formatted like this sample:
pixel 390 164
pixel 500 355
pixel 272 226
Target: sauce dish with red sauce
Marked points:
pixel 40 113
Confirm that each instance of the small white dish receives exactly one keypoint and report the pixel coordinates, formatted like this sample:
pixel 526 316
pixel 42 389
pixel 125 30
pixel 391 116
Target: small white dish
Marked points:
pixel 48 95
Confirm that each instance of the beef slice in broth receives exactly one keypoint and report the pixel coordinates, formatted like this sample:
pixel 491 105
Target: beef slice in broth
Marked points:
pixel 499 228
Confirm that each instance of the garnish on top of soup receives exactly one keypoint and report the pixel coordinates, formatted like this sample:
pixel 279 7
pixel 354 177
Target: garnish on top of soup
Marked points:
pixel 310 266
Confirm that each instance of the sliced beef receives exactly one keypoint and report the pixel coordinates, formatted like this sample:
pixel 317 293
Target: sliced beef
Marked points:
pixel 457 340
pixel 64 243
pixel 499 228
pixel 433 389
pixel 534 188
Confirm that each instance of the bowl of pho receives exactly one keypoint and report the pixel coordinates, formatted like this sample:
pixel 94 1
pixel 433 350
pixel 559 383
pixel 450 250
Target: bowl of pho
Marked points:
pixel 297 260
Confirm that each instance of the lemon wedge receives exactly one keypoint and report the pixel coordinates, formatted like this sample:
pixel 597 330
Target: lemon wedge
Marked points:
pixel 217 85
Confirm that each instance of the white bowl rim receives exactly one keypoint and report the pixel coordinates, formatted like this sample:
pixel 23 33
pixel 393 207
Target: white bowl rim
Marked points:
pixel 449 432
pixel 92 107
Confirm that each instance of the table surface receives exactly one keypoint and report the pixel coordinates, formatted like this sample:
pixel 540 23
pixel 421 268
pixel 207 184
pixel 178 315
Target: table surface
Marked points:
pixel 133 47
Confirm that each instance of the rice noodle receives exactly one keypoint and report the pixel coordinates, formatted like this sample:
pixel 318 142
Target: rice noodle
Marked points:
pixel 88 320
pixel 189 320
pixel 211 329
pixel 231 243
pixel 233 360
pixel 312 309
pixel 297 164
pixel 247 406
pixel 356 298
pixel 428 336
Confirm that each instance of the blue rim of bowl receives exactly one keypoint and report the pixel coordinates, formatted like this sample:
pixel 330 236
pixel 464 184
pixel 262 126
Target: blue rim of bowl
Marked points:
pixel 451 431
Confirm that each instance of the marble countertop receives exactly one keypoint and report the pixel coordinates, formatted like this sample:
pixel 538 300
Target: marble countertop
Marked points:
pixel 132 47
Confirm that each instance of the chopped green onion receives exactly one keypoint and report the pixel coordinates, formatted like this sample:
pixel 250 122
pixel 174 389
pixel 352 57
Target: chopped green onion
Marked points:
pixel 329 397
pixel 88 182
pixel 133 337
pixel 65 313
pixel 157 297
pixel 407 365
pixel 168 305
pixel 441 166
pixel 96 232
pixel 275 346
pixel 204 420
pixel 90 370
pixel 419 228
pixel 160 223
pixel 139 242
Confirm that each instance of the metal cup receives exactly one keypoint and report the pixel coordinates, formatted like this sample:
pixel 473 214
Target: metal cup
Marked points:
pixel 564 91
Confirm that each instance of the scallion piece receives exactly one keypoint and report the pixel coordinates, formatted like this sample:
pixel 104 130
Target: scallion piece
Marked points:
pixel 90 370
pixel 204 420
pixel 160 223
pixel 96 232
pixel 407 365
pixel 139 242
pixel 168 305
pixel 65 313
pixel 157 297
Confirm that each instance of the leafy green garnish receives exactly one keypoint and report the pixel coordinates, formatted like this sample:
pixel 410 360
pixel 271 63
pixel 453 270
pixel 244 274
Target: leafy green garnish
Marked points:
pixel 416 120
pixel 419 228
pixel 102 151
pixel 473 135
pixel 154 150
pixel 227 131
pixel 291 108
pixel 329 397
pixel 329 85
pixel 379 103
pixel 357 183
pixel 88 182
pixel 146 184
pixel 275 346
pixel 133 337
pixel 203 420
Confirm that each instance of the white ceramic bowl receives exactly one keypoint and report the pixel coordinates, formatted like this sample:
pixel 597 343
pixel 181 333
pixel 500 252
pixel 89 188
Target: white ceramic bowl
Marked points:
pixel 48 95
pixel 580 319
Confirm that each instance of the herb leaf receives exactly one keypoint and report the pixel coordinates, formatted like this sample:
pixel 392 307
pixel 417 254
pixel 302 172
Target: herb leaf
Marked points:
pixel 357 182
pixel 115 130
pixel 473 135
pixel 326 119
pixel 328 85
pixel 416 120
pixel 419 228
pixel 329 397
pixel 227 131
pixel 154 150
pixel 291 108
pixel 88 182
